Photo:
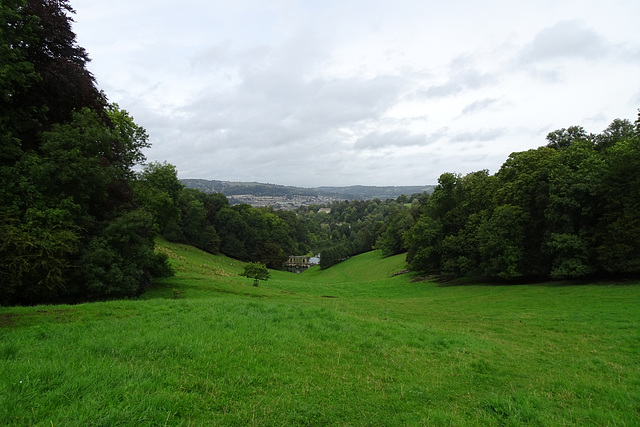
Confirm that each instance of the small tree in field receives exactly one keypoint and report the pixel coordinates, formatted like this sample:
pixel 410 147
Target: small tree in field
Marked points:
pixel 256 271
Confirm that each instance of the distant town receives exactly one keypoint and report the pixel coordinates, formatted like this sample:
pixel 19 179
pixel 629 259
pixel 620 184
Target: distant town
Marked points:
pixel 287 197
pixel 281 202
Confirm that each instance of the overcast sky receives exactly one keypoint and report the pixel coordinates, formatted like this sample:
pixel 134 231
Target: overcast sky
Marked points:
pixel 323 92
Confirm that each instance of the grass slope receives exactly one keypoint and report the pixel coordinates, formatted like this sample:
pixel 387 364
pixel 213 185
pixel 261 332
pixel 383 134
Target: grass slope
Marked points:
pixel 346 346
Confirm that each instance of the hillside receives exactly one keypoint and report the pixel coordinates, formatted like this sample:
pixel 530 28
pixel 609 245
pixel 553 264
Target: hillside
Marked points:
pixel 200 273
pixel 350 345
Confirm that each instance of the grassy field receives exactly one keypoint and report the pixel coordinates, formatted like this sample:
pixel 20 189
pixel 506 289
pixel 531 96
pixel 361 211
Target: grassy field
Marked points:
pixel 351 345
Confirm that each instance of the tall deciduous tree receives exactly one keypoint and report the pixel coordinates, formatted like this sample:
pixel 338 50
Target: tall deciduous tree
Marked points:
pixel 618 225
pixel 391 241
pixel 157 188
pixel 69 227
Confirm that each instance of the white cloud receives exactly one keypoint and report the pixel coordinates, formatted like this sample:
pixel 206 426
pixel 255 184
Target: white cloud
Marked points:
pixel 359 92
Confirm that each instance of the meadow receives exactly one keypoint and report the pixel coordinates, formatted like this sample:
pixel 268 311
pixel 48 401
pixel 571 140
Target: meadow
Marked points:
pixel 353 345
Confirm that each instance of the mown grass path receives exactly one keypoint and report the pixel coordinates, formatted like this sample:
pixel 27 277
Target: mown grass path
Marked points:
pixel 347 346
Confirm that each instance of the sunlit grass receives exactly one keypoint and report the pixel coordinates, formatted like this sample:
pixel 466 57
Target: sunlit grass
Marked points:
pixel 350 345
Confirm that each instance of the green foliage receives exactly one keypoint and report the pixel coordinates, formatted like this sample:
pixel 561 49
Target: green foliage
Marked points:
pixel 72 194
pixel 35 256
pixel 424 241
pixel 180 214
pixel 564 138
pixel 256 271
pixel 335 254
pixel 566 210
pixel 354 227
pixel 571 256
pixel 260 234
pixel 209 222
pixel 157 189
pixel 55 82
pixel 391 240
pixel 69 228
pixel 500 241
pixel 17 75
pixel 617 235
pixel 120 260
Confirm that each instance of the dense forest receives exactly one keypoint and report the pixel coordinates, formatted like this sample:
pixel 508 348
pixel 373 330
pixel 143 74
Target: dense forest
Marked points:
pixel 69 226
pixel 77 222
pixel 568 209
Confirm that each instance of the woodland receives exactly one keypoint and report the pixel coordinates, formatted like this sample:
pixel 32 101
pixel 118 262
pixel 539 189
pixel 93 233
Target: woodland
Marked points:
pixel 79 223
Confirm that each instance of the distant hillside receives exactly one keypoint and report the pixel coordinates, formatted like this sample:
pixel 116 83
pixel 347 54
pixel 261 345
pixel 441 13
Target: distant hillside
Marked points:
pixel 230 188
pixel 288 193
pixel 366 192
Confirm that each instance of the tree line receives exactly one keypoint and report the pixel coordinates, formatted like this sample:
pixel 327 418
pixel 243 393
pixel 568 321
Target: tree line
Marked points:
pixel 209 222
pixel 568 209
pixel 345 228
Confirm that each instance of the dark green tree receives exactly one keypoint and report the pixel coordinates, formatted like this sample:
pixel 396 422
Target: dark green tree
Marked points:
pixel 618 130
pixel 565 210
pixel 391 242
pixel 40 42
pixel 158 189
pixel 617 239
pixel 194 226
pixel 563 138
pixel 424 244
pixel 66 160
pixel 501 243
pixel 523 181
pixel 571 210
pixel 232 230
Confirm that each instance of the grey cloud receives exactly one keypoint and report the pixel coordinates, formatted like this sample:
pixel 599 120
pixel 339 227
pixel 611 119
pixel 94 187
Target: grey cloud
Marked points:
pixel 397 138
pixel 548 75
pixel 273 121
pixel 461 80
pixel 565 39
pixel 349 100
pixel 480 105
pixel 446 89
pixel 277 101
pixel 212 56
pixel 474 79
pixel 597 118
pixel 480 135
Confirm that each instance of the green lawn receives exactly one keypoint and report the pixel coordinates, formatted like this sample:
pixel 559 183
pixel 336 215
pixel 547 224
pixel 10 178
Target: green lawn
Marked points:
pixel 346 346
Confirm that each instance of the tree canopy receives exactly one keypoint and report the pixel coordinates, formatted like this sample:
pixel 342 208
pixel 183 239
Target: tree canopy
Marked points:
pixel 565 210
pixel 69 227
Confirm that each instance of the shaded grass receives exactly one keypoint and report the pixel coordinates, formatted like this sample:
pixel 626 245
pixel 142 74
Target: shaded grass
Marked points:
pixel 382 351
